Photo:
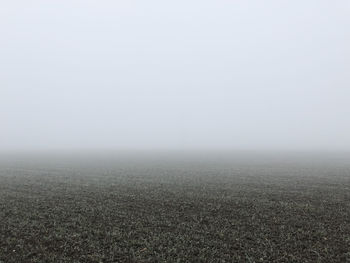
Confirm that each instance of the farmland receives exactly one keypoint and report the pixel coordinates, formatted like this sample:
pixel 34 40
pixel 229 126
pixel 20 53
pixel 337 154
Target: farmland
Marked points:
pixel 175 208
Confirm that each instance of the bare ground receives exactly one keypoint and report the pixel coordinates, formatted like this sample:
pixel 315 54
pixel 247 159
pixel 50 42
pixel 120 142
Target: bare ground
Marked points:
pixel 174 210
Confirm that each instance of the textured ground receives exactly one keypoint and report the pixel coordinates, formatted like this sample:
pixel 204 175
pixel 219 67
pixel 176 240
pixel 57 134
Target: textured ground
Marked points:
pixel 175 209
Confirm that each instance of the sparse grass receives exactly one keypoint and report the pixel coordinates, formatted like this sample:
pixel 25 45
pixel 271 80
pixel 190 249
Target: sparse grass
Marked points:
pixel 174 212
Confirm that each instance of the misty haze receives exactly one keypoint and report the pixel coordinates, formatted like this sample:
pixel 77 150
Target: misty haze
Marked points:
pixel 184 131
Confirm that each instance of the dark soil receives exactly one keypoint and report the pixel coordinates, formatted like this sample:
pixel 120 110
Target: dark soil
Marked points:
pixel 174 210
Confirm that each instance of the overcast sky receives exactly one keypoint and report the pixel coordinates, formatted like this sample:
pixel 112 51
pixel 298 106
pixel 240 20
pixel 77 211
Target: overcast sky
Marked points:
pixel 179 74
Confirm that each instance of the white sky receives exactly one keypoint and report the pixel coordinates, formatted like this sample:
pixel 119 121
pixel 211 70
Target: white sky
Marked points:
pixel 179 74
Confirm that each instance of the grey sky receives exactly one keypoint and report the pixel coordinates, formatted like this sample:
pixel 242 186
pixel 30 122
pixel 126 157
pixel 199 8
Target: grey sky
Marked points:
pixel 175 74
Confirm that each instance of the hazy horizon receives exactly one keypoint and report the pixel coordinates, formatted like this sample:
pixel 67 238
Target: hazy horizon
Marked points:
pixel 175 76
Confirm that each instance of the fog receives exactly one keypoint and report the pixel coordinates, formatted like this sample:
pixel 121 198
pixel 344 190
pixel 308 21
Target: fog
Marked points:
pixel 233 75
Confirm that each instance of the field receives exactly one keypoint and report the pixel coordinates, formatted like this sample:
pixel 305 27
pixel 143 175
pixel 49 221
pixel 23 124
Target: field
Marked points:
pixel 175 208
